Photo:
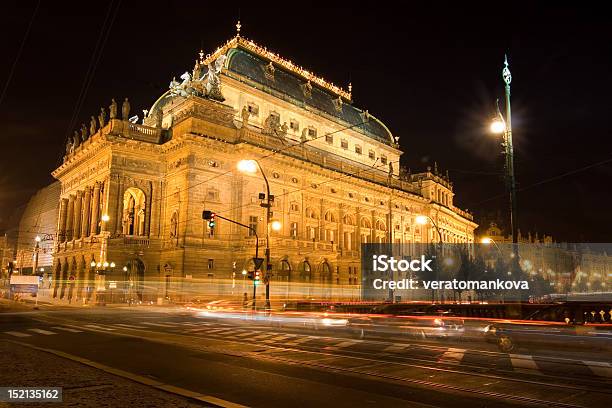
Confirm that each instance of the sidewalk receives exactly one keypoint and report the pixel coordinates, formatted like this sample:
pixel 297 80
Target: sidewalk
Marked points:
pixel 83 386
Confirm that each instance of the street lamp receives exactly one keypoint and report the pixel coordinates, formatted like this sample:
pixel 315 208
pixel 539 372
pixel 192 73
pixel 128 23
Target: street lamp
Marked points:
pixel 251 166
pixel 276 225
pixel 488 241
pixel 503 126
pixel 424 220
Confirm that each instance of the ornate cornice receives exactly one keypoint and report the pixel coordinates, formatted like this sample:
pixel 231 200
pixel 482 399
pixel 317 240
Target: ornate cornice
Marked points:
pixel 249 45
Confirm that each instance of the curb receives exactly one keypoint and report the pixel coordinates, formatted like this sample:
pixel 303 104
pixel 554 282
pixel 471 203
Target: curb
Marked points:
pixel 216 402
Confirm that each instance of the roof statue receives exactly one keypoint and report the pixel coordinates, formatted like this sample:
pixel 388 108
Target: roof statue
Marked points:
pixel 206 85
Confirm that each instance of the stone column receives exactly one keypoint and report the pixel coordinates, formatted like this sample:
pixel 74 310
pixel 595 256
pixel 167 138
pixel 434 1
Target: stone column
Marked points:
pixel 86 212
pixel 116 215
pixel 78 204
pixel 61 224
pixel 70 218
pixel 95 209
pixel 341 241
pixel 147 210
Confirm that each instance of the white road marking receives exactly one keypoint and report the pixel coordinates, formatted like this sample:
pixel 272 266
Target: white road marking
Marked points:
pixel 278 338
pixel 453 355
pixel 523 362
pixel 18 334
pixel 95 326
pixel 68 329
pixel 130 326
pixel 600 368
pixel 396 347
pixel 159 324
pixel 300 341
pixel 41 331
pixel 340 345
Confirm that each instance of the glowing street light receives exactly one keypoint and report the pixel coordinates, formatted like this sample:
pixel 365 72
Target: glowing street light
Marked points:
pixel 105 218
pixel 276 225
pixel 421 219
pixel 38 238
pixel 247 166
pixel 487 240
pixel 498 126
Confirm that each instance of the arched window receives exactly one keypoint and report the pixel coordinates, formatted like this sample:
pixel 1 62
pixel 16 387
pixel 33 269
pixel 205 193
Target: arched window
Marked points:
pixel 330 216
pixel 365 223
pixel 305 271
pixel 284 270
pixel 348 220
pixel 380 225
pixel 326 275
pixel 310 213
pixel 134 211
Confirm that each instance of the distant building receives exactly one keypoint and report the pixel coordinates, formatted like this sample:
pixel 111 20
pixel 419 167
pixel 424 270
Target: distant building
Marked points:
pixel 39 219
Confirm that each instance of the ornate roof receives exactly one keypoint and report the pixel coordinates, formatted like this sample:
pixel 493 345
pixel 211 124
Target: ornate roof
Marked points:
pixel 265 70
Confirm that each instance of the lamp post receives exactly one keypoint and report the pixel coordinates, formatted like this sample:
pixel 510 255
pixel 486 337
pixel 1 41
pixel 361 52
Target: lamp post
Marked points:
pixel 489 240
pixel 504 126
pixel 423 220
pixel 251 166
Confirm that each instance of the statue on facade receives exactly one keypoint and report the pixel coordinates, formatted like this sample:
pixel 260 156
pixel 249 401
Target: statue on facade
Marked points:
pixel 181 88
pixel 212 81
pixel 69 146
pixel 102 118
pixel 92 126
pixel 304 136
pixel 125 109
pixel 76 140
pixel 283 129
pixel 83 132
pixel 245 116
pixel 159 117
pixel 113 109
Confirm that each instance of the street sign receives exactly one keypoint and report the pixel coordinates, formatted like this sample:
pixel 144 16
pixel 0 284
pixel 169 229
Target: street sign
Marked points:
pixel 112 285
pixel 258 262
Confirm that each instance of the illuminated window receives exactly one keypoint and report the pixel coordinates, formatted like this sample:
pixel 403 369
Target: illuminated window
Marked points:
pixel 211 263
pixel 253 220
pixel 294 230
pixel 294 125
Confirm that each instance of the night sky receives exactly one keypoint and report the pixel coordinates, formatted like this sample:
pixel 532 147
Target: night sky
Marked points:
pixel 432 76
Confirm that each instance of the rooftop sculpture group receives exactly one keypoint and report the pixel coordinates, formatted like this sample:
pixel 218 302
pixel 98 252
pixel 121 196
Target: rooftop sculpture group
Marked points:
pixel 206 84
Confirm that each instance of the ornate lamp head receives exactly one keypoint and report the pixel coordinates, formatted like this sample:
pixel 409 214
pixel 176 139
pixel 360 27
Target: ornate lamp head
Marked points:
pixel 506 71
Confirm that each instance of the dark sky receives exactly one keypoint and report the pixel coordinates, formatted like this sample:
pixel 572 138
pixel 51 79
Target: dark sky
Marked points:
pixel 432 75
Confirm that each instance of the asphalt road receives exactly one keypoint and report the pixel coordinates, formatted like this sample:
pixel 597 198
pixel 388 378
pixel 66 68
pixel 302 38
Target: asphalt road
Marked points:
pixel 253 363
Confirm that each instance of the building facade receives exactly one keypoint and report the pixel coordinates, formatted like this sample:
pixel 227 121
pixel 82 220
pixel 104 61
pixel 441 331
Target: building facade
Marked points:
pixel 132 194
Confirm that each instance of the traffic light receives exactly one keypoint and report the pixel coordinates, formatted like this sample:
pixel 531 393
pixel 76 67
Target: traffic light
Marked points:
pixel 257 276
pixel 251 275
pixel 211 221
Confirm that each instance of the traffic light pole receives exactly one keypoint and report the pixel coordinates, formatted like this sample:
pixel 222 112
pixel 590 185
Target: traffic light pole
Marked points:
pixel 207 215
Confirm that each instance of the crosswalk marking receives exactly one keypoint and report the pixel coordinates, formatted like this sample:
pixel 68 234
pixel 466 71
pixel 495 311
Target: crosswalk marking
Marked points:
pixel 159 324
pixel 278 338
pixel 95 326
pixel 600 368
pixel 130 326
pixel 299 341
pixel 247 334
pixel 261 336
pixel 454 355
pixel 68 329
pixel 340 345
pixel 17 334
pixel 523 362
pixel 41 331
pixel 396 347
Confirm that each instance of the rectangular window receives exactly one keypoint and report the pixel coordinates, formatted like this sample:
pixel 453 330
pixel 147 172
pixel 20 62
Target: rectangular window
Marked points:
pixel 212 195
pixel 329 139
pixel 344 144
pixel 357 149
pixel 312 133
pixel 252 225
pixel 295 207
pixel 211 263
pixel 294 125
pixel 312 233
pixel 253 109
pixel 294 230
pixel 275 116
pixel 371 154
pixel 383 159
